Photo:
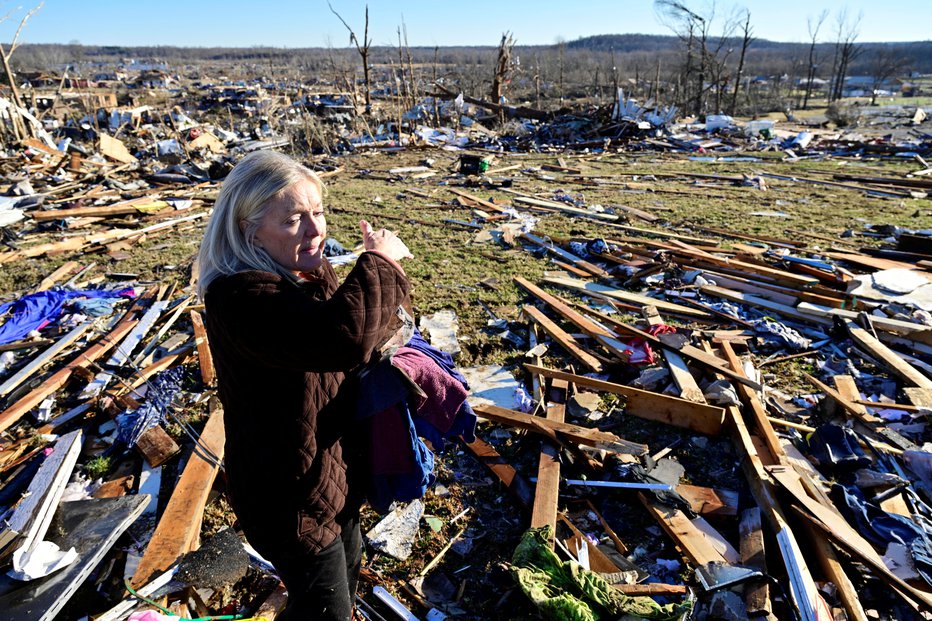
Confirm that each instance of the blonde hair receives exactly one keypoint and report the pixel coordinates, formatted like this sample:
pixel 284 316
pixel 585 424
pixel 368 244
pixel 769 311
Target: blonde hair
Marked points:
pixel 244 196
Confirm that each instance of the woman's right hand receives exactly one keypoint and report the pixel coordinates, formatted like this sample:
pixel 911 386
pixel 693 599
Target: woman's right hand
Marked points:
pixel 384 241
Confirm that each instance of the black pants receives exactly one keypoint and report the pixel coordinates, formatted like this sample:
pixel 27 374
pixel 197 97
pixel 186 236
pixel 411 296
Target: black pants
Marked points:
pixel 322 587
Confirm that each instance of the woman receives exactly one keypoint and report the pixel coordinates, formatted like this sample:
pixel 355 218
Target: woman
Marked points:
pixel 285 335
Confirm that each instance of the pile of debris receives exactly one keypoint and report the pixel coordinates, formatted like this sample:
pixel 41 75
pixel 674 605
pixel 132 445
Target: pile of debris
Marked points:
pixel 799 492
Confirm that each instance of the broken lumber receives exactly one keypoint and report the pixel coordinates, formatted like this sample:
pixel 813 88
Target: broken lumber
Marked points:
pixel 58 379
pixel 516 484
pixel 627 297
pixel 681 374
pixel 179 526
pixel 547 491
pixel 649 405
pixel 573 433
pixel 565 341
pixel 886 356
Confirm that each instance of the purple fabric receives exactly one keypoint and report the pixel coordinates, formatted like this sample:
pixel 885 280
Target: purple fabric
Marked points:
pixel 444 394
pixel 439 356
pixel 36 310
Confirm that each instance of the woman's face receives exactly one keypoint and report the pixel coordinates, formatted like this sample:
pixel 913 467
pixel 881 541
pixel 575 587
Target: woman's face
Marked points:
pixel 293 229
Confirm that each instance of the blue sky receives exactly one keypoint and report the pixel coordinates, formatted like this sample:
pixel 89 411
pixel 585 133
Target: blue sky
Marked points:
pixel 309 23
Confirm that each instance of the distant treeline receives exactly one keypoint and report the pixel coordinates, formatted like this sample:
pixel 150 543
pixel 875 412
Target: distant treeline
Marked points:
pixel 631 54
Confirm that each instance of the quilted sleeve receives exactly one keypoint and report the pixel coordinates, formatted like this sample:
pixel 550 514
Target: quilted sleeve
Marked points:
pixel 280 325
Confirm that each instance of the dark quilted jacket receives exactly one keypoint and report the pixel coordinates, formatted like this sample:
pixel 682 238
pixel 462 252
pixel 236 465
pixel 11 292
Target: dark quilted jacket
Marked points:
pixel 281 352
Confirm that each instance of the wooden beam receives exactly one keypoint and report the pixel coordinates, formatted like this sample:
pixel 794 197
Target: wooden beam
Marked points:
pixel 912 331
pixel 651 590
pixel 682 377
pixel 696 545
pixel 565 341
pixel 516 484
pixel 58 379
pixel 64 270
pixel 204 358
pixel 39 361
pixel 650 405
pixel 756 595
pixel 756 408
pixel 572 433
pixel 547 491
pixel 890 359
pixel 637 299
pixel 179 525
pixel 839 531
pixel 563 309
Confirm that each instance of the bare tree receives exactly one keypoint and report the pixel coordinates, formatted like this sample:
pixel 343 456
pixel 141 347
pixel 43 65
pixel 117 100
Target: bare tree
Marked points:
pixel 746 40
pixel 885 63
pixel 20 129
pixel 363 49
pixel 704 67
pixel 846 33
pixel 502 67
pixel 814 25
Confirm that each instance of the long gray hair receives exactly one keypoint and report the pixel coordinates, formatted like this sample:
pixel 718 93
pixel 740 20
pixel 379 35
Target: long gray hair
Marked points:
pixel 244 196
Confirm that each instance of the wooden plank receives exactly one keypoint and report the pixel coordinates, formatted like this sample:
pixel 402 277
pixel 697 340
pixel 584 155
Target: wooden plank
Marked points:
pixel 516 484
pixel 709 501
pixel 756 408
pixel 274 604
pixel 890 359
pixel 775 274
pixel 579 262
pixel 153 342
pixel 839 531
pixel 759 302
pixel 64 270
pixel 628 297
pixel 31 518
pixel 803 591
pixel 650 405
pixel 39 361
pixel 58 379
pixel 565 341
pixel 563 309
pixel 907 329
pixel 652 589
pixel 156 446
pixel 695 544
pixel 756 595
pixel 143 205
pixel 573 433
pixel 919 397
pixel 576 211
pixel 848 391
pixel 178 356
pixel 125 350
pixel 478 201
pixel 204 357
pixel 547 491
pixel 682 377
pixel 178 526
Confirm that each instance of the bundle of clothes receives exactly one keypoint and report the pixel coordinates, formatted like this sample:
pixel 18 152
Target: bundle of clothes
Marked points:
pixel 412 396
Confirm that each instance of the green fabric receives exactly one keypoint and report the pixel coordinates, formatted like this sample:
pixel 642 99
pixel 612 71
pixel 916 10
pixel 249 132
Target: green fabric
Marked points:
pixel 564 591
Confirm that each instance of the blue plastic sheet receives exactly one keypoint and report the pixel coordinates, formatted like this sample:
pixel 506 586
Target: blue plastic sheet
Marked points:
pixel 36 310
